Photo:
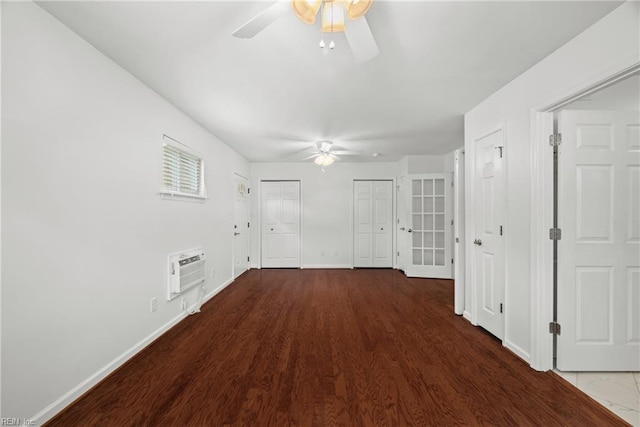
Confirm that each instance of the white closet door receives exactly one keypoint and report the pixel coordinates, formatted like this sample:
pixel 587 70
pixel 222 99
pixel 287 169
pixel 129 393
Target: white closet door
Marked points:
pixel 373 222
pixel 382 224
pixel 598 253
pixel 280 224
pixel 363 224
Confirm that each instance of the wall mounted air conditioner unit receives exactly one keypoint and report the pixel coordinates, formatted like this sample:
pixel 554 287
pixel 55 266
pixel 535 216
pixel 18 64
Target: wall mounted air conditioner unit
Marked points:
pixel 186 270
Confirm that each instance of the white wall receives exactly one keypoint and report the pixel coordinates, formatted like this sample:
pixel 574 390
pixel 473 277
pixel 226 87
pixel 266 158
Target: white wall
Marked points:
pixel 85 234
pixel 326 200
pixel 421 164
pixel 608 46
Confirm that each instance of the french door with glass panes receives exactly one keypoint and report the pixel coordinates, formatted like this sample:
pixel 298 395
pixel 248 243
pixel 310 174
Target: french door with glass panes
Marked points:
pixel 427 198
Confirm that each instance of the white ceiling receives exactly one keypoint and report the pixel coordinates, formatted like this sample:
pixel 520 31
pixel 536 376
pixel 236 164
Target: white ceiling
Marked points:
pixel 272 96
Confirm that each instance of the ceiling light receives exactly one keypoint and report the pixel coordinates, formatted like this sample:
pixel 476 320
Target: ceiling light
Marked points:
pixel 333 12
pixel 324 160
pixel 332 17
pixel 321 44
pixel 306 10
pixel 332 45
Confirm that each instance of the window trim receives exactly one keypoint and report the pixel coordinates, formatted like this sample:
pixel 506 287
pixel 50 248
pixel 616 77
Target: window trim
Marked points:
pixel 202 193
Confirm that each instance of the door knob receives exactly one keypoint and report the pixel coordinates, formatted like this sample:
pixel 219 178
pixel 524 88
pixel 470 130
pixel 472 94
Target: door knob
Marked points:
pixel 272 229
pixel 381 229
pixel 409 230
pixel 477 242
pixel 236 234
pixel 401 228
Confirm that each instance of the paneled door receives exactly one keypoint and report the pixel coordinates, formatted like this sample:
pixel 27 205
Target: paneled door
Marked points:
pixel 487 251
pixel 373 223
pixel 598 252
pixel 240 225
pixel 429 233
pixel 280 224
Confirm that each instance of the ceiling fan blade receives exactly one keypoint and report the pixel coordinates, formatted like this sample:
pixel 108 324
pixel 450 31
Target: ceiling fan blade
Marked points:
pixel 263 19
pixel 348 152
pixel 361 40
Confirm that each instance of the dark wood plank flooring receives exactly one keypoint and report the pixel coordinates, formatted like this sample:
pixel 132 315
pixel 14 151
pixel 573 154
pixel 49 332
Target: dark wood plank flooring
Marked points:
pixel 331 347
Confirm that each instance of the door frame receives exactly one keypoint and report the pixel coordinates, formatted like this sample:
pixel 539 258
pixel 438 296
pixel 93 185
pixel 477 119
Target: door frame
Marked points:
pixel 259 219
pixel 542 209
pixel 470 225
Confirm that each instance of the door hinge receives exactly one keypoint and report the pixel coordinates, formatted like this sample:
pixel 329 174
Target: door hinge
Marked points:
pixel 451 222
pixel 247 259
pixel 501 230
pixel 554 328
pixel 398 221
pixel 501 308
pixel 248 225
pixel 555 234
pixel 555 139
pixel 500 148
pixel 248 191
pixel 451 260
pixel 398 253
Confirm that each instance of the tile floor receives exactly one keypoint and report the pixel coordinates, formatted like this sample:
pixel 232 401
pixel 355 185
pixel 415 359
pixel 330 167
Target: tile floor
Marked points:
pixel 617 391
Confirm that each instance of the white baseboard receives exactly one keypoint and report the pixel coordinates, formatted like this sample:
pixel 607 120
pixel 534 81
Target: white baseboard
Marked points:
pixel 319 266
pixel 66 399
pixel 517 350
pixel 467 316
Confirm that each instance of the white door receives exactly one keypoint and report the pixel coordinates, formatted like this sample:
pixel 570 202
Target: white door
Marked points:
pixel 280 224
pixel 598 253
pixel 240 226
pixel 429 232
pixel 373 222
pixel 362 224
pixel 402 225
pixel 382 224
pixel 488 242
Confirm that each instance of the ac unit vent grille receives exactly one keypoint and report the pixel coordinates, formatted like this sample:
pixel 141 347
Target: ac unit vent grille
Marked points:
pixel 186 269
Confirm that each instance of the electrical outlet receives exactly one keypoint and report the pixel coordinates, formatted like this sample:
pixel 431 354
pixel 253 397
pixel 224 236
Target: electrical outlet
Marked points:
pixel 154 304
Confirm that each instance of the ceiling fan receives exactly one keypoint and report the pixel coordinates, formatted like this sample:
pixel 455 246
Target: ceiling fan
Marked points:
pixel 356 29
pixel 326 153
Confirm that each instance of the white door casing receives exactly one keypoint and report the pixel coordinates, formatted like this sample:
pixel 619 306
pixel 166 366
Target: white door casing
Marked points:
pixel 487 242
pixel 240 226
pixel 458 231
pixel 373 222
pixel 429 234
pixel 598 253
pixel 280 224
pixel 402 225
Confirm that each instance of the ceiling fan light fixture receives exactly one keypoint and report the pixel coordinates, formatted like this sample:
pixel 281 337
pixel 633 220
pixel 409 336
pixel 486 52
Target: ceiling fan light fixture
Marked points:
pixel 356 9
pixel 332 17
pixel 324 160
pixel 306 10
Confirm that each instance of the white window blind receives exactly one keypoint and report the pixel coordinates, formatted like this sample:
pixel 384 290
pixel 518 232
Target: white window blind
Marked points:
pixel 181 172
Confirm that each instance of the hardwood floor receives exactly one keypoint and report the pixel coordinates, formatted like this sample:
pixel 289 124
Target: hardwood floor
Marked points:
pixel 331 347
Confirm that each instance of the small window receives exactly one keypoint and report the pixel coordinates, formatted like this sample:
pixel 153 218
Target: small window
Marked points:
pixel 182 171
